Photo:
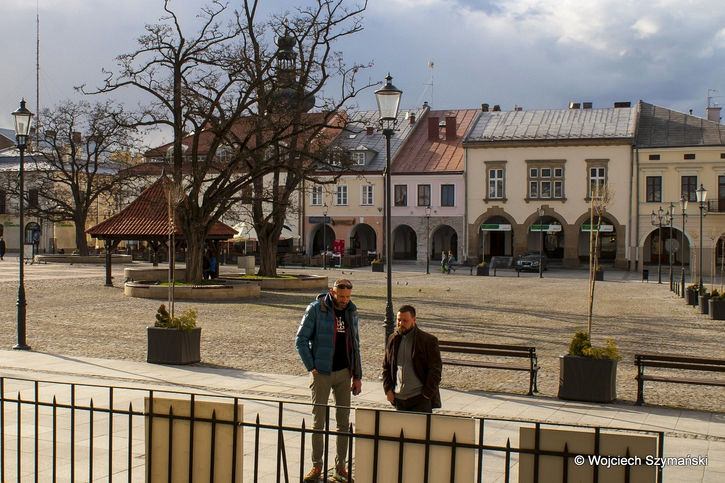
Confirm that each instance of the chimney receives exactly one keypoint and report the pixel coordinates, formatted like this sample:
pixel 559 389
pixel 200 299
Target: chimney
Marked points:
pixel 76 136
pixel 575 105
pixel 496 108
pixel 484 107
pixel 450 128
pixel 411 118
pixel 370 130
pixel 586 105
pixel 518 108
pixel 433 129
pixel 713 114
pixel 621 104
pixel 690 112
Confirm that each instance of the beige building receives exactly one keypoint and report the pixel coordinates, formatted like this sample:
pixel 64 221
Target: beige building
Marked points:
pixel 676 153
pixel 521 162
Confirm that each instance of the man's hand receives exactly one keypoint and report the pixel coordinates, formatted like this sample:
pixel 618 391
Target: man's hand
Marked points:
pixel 391 397
pixel 356 387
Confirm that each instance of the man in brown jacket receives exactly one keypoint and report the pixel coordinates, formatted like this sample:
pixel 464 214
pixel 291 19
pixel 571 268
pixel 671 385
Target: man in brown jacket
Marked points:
pixel 412 366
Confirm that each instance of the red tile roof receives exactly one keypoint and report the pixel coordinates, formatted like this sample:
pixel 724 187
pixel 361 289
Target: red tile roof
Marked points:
pixel 147 218
pixel 423 155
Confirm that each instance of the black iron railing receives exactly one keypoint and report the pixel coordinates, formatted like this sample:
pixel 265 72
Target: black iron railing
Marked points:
pixel 85 432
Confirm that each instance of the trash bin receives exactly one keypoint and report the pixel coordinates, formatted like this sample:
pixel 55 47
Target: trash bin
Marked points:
pixel 645 275
pixel 246 263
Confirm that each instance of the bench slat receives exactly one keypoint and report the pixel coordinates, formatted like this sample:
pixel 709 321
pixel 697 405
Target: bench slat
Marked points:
pixel 646 358
pixel 683 365
pixel 486 352
pixel 485 365
pixel 699 382
pixel 479 345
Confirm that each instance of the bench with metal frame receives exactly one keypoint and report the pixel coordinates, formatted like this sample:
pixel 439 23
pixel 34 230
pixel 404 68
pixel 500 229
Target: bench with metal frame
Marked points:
pixel 666 361
pixel 496 350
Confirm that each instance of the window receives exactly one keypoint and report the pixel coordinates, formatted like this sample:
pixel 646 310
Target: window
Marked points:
pixel 317 196
pixel 401 195
pixel 546 182
pixel 367 195
pixel 689 156
pixel 654 157
pixel 358 157
pixel 341 198
pixel 597 179
pixel 654 189
pixel 448 195
pixel 689 187
pixel 423 195
pixel 33 198
pixel 3 207
pixel 495 183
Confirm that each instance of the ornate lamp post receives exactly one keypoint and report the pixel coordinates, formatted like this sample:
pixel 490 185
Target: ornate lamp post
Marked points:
pixel 324 237
pixel 22 119
pixel 670 218
pixel 657 219
pixel 541 242
pixel 683 205
pixel 427 240
pixel 388 98
pixel 701 199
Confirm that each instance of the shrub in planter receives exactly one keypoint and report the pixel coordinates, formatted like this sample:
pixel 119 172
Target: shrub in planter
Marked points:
pixel 599 275
pixel 174 340
pixel 716 305
pixel 588 373
pixel 377 265
pixel 692 294
pixel 482 269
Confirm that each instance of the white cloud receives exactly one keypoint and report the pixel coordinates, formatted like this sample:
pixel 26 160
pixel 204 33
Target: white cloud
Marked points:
pixel 645 27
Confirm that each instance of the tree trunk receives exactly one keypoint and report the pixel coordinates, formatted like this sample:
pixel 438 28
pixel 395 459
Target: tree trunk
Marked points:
pixel 195 239
pixel 81 240
pixel 268 253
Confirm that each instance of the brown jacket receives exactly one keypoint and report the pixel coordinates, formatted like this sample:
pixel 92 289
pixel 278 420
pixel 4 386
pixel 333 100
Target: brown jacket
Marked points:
pixel 426 363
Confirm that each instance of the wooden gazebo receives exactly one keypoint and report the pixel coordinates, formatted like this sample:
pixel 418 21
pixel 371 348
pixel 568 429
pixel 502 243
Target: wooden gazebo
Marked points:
pixel 146 219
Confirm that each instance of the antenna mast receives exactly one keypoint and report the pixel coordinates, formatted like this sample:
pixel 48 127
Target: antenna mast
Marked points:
pixel 431 65
pixel 37 73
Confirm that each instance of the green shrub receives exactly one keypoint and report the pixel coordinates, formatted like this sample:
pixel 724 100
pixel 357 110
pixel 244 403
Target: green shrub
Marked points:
pixel 185 321
pixel 581 346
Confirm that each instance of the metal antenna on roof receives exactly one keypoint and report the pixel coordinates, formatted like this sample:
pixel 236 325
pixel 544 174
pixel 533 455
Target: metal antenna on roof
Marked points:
pixel 427 87
pixel 710 97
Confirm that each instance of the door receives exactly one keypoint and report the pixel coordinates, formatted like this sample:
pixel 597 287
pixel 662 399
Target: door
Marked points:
pixel 721 194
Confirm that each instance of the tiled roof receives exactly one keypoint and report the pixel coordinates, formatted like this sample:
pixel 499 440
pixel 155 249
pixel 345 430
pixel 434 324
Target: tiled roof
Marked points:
pixel 422 155
pixel 355 137
pixel 554 124
pixel 662 127
pixel 147 218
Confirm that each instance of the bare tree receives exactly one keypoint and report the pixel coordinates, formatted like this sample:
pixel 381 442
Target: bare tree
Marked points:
pixel 227 103
pixel 74 167
pixel 601 197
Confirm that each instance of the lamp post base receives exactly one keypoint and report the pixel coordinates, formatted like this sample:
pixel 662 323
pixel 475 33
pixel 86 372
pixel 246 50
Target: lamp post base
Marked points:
pixel 21 347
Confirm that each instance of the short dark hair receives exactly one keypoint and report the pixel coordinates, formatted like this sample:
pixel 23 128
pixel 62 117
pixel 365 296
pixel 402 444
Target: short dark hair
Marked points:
pixel 407 308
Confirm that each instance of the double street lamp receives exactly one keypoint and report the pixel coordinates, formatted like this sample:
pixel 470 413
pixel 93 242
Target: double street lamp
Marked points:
pixel 324 238
pixel 670 218
pixel 701 199
pixel 388 98
pixel 541 242
pixel 657 219
pixel 22 119
pixel 683 205
pixel 427 240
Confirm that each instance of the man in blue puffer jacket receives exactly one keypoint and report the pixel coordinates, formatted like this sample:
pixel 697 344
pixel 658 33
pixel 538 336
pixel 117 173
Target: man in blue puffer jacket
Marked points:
pixel 329 345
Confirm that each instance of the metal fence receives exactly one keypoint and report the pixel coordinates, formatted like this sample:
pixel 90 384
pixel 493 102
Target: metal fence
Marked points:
pixel 56 431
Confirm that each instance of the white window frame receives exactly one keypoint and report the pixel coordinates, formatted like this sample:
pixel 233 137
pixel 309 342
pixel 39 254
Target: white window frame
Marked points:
pixel 496 183
pixel 341 195
pixel 598 176
pixel 367 195
pixel 535 185
pixel 358 158
pixel 316 196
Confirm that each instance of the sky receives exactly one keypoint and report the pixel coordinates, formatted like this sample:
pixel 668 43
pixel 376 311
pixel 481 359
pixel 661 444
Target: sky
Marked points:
pixel 537 54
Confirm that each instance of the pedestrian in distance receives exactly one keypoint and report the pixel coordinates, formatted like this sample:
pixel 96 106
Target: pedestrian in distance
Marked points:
pixel 450 262
pixel 412 366
pixel 444 265
pixel 2 249
pixel 328 343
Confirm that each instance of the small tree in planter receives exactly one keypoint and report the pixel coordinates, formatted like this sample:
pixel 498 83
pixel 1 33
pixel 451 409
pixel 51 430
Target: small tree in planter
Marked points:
pixel 174 340
pixel 482 269
pixel 716 305
pixel 589 373
pixel 377 265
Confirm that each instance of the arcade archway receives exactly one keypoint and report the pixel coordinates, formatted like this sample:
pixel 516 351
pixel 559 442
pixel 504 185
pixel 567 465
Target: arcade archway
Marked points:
pixel 405 243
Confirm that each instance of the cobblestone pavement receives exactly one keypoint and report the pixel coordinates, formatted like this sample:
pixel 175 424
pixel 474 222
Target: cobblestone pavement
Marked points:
pixel 70 312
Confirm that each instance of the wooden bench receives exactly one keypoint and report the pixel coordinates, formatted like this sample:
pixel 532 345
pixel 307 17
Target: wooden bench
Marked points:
pixel 496 350
pixel 665 361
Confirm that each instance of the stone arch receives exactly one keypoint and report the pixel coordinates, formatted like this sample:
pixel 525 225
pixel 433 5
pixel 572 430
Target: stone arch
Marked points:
pixel 620 244
pixel 363 239
pixel 475 238
pixel 405 243
pixel 650 247
pixel 444 238
pixel 317 238
pixel 557 245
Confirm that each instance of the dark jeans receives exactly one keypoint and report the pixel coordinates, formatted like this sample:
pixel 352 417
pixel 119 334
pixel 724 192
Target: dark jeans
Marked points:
pixel 418 404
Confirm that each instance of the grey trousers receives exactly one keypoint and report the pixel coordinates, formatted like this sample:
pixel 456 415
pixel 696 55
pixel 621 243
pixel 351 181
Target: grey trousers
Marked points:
pixel 339 382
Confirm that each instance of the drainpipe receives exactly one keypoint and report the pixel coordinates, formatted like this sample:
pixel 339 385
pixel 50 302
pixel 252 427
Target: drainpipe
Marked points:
pixel 465 203
pixel 635 166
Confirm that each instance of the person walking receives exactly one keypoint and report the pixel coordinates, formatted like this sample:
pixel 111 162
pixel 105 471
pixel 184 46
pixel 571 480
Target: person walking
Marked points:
pixel 412 366
pixel 2 249
pixel 328 343
pixel 450 262
pixel 444 258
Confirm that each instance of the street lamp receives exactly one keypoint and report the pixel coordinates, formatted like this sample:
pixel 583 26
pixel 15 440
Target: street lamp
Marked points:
pixel 683 205
pixel 388 98
pixel 22 119
pixel 657 219
pixel 671 217
pixel 427 240
pixel 541 242
pixel 324 238
pixel 701 199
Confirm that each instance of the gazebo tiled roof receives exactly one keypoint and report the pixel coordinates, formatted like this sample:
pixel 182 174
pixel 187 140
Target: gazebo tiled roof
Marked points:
pixel 146 218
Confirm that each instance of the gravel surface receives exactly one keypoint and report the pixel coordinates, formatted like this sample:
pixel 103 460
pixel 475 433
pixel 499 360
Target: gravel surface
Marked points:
pixel 70 312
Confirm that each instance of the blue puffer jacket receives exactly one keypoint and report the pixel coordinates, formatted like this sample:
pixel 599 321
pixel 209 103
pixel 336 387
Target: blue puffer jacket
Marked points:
pixel 315 337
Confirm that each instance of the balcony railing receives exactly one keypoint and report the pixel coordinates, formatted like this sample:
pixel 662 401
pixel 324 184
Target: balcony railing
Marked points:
pixel 716 206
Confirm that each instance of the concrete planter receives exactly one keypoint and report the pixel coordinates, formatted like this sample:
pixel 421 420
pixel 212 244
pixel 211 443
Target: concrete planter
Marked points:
pixel 153 274
pixel 71 259
pixel 703 302
pixel 173 346
pixel 482 271
pixel 599 275
pixel 716 308
pixel 226 291
pixel 691 296
pixel 377 267
pixel 587 379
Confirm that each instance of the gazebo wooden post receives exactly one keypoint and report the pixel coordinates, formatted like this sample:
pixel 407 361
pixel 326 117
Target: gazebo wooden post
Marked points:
pixel 109 281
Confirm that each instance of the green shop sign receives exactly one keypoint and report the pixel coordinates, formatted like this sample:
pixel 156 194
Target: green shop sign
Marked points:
pixel 549 228
pixel 602 228
pixel 495 227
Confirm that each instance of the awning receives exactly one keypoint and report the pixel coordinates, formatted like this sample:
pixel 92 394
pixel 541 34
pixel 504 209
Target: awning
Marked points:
pixel 246 232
